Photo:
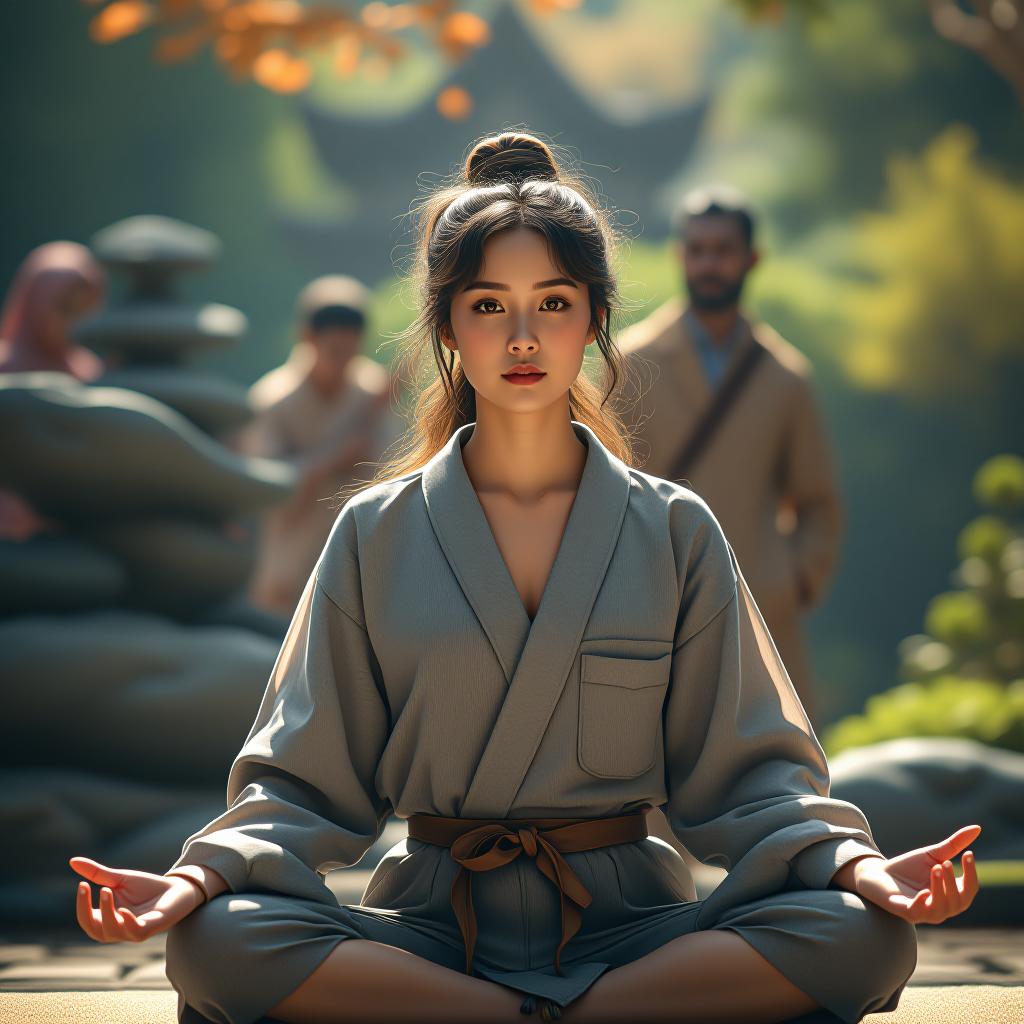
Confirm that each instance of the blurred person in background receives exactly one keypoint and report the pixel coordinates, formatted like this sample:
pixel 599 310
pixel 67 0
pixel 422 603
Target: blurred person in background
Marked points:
pixel 328 409
pixel 728 405
pixel 57 284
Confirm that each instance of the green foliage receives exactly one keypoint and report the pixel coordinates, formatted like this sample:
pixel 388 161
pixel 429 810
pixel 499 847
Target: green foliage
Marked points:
pixel 948 705
pixel 1000 483
pixel 979 629
pixel 966 674
pixel 940 309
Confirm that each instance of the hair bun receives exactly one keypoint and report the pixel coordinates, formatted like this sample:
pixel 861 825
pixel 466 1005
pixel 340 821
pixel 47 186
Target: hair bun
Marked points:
pixel 510 157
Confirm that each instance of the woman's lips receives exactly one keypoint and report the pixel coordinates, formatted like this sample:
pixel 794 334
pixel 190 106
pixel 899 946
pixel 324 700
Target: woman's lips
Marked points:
pixel 523 378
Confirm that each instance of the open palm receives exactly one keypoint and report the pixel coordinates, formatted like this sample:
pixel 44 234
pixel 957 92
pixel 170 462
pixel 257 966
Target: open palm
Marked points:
pixel 133 905
pixel 920 886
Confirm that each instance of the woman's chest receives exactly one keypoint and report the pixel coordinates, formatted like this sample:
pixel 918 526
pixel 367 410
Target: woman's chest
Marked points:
pixel 528 536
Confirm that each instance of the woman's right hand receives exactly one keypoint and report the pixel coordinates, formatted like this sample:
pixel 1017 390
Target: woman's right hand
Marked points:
pixel 133 904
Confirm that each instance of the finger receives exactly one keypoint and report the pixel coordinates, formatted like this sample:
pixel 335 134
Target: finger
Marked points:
pixel 928 897
pixel 84 912
pixel 950 893
pixel 940 909
pixel 111 921
pixel 95 871
pixel 969 879
pixel 958 841
pixel 939 886
pixel 134 931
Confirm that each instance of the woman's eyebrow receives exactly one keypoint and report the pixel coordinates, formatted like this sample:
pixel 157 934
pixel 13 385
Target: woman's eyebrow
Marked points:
pixel 497 286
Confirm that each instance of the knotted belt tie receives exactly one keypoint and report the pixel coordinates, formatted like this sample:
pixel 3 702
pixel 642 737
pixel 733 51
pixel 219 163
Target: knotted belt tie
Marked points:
pixel 483 845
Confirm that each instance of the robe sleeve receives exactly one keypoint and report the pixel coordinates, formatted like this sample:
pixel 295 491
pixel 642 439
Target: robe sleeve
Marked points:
pixel 301 793
pixel 809 485
pixel 747 781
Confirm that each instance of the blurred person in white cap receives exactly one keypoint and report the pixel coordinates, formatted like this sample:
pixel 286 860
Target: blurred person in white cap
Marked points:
pixel 329 410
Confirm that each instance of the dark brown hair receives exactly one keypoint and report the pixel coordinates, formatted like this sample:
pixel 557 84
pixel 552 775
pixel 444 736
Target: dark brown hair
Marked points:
pixel 508 181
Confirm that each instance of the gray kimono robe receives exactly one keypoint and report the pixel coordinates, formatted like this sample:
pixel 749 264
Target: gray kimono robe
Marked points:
pixel 412 680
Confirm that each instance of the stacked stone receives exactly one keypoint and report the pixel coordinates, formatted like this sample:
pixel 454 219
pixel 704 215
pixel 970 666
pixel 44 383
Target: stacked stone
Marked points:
pixel 131 663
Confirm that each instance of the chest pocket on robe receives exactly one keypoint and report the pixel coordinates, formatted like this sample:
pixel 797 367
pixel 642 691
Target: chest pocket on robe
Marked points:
pixel 620 713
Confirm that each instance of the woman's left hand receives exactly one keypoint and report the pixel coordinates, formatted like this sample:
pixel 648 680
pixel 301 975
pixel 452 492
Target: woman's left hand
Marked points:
pixel 919 886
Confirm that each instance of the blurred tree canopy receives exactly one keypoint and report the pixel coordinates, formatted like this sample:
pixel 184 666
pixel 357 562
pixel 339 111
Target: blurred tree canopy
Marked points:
pixel 807 119
pixel 941 313
pixel 992 29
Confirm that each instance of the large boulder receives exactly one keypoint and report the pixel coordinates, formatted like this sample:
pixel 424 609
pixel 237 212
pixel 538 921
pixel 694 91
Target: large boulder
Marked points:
pixel 130 694
pixel 918 791
pixel 83 453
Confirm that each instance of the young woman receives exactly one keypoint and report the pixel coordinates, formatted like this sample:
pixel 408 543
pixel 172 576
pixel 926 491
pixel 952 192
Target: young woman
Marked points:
pixel 520 644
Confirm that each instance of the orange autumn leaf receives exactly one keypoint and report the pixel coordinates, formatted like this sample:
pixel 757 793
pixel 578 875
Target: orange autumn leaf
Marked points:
pixel 346 56
pixel 228 48
pixel 277 13
pixel 174 49
pixel 173 10
pixel 120 19
pixel 236 19
pixel 279 71
pixel 454 103
pixel 551 6
pixel 464 29
pixel 240 53
pixel 432 10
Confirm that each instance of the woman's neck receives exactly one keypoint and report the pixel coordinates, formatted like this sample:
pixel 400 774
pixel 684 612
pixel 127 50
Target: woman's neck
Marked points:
pixel 524 455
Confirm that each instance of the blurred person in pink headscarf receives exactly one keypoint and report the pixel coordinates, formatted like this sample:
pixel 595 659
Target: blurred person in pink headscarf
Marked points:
pixel 56 285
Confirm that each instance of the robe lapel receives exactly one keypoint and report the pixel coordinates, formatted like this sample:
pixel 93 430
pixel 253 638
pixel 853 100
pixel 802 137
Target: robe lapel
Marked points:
pixel 536 658
pixel 464 534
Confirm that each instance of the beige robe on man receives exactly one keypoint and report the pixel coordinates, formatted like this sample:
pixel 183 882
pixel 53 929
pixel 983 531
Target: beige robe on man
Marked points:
pixel 767 472
pixel 413 681
pixel 296 423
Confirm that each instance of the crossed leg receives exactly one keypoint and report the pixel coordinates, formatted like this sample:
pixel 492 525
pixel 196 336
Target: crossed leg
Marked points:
pixel 709 976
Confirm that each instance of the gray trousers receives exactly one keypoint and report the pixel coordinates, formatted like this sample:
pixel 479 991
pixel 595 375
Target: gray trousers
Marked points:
pixel 237 956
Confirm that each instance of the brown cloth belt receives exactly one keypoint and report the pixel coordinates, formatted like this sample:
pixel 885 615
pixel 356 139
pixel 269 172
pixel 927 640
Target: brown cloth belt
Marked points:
pixel 482 844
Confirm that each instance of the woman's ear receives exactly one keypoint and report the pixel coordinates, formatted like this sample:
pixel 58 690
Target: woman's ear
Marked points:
pixel 447 338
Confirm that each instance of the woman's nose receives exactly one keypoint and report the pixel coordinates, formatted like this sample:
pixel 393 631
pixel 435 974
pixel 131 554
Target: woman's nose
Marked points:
pixel 523 341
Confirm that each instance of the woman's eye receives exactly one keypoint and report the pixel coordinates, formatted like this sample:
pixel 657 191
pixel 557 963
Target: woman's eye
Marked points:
pixel 555 298
pixel 486 302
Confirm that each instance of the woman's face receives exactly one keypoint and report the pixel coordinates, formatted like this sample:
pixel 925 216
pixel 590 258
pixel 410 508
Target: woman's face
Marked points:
pixel 520 309
pixel 58 312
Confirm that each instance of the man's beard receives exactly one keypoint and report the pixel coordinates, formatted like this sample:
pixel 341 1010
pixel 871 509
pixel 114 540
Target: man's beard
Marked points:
pixel 723 298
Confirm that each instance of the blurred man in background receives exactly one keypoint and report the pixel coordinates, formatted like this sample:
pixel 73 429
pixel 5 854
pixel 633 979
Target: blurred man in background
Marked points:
pixel 727 406
pixel 328 409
